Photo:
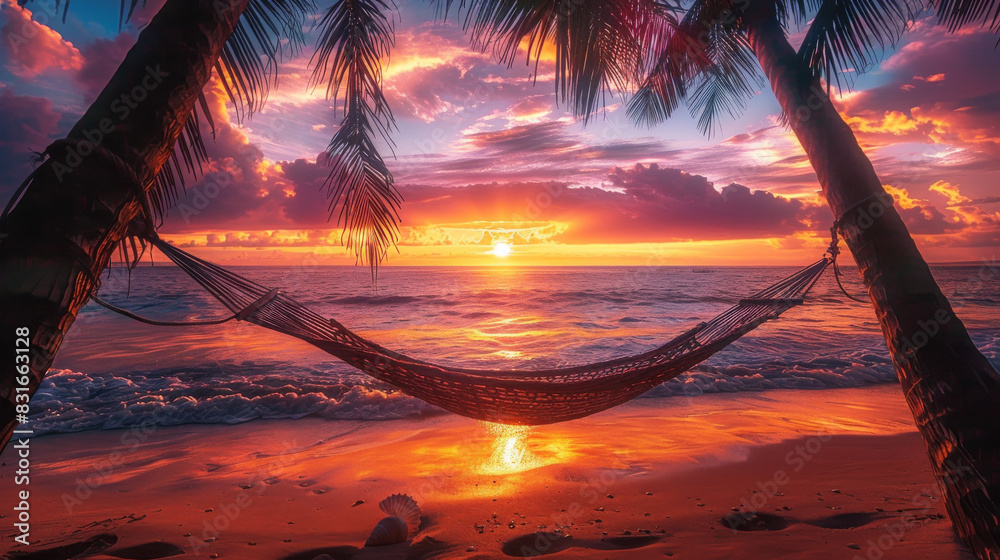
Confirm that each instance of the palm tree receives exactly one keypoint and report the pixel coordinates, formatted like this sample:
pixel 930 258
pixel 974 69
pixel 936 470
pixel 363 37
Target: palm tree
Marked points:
pixel 106 185
pixel 709 55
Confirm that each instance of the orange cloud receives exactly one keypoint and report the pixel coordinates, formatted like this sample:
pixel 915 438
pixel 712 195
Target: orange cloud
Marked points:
pixel 32 46
pixel 950 192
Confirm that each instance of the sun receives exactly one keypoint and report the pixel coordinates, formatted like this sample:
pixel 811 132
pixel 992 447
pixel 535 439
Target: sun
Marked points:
pixel 501 249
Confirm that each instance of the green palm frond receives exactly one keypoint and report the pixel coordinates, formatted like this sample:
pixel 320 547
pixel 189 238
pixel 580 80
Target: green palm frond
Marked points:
pixel 958 13
pixel 853 34
pixel 598 43
pixel 355 36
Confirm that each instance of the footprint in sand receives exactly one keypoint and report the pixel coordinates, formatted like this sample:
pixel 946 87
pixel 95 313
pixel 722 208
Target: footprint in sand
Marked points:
pixel 89 547
pixel 542 543
pixel 333 552
pixel 758 521
pixel 147 551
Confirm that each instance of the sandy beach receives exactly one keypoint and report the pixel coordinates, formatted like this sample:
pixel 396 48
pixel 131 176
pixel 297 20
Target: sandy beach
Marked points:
pixel 783 474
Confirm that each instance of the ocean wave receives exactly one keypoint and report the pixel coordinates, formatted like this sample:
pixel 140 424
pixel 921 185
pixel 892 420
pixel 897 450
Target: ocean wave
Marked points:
pixel 71 401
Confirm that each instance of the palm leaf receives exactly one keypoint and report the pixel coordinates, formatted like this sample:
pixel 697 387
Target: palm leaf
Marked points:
pixel 853 34
pixel 957 13
pixel 732 78
pixel 598 44
pixel 355 36
pixel 731 74
pixel 268 31
pixel 703 59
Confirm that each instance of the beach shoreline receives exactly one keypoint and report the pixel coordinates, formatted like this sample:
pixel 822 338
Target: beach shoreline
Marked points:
pixel 830 474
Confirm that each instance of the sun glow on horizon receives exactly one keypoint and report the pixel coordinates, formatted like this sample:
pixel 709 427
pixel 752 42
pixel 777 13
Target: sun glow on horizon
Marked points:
pixel 501 249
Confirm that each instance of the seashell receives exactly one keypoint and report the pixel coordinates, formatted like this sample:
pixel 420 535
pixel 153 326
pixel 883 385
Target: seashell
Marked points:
pixel 403 506
pixel 390 530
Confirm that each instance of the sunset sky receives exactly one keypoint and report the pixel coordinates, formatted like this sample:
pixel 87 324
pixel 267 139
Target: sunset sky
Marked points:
pixel 488 163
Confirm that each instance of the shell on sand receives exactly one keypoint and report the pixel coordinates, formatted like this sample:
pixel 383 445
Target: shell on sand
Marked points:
pixel 390 530
pixel 403 506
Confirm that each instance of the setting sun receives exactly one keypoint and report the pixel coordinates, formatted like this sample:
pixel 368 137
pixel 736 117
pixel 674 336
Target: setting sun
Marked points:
pixel 501 249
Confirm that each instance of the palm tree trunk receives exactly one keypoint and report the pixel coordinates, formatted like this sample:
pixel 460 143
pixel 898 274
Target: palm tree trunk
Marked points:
pixel 951 388
pixel 63 232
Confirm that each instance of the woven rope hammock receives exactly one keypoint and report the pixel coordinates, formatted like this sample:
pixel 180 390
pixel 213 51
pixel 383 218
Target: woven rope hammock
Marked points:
pixel 506 396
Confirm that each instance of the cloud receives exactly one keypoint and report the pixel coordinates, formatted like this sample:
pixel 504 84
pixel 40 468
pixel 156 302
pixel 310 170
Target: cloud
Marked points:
pixel 642 203
pixel 541 151
pixel 547 137
pixel 100 60
pixel 935 91
pixel 27 124
pixel 960 224
pixel 31 46
pixel 238 185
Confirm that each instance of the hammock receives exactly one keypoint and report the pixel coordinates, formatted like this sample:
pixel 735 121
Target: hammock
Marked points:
pixel 506 396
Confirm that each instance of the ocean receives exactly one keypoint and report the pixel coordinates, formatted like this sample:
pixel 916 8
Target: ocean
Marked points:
pixel 113 372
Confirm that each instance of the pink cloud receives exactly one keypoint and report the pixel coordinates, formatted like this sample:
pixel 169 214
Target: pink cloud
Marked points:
pixel 100 60
pixel 27 124
pixel 32 47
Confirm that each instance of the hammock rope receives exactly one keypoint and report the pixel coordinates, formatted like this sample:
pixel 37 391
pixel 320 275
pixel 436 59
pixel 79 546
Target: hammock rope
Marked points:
pixel 505 396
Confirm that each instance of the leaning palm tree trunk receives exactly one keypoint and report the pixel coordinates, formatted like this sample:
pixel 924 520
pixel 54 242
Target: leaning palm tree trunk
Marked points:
pixel 79 206
pixel 951 388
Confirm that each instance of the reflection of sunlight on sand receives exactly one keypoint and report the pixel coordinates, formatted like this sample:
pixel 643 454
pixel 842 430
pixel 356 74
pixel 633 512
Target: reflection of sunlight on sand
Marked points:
pixel 510 451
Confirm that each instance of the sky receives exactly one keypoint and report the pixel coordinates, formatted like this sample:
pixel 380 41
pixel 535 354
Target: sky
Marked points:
pixel 493 171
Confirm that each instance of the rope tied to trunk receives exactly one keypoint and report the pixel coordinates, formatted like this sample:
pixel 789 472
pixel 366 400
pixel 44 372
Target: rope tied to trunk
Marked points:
pixel 885 201
pixel 833 251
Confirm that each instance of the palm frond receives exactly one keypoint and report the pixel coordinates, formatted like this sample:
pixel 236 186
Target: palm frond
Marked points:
pixel 732 79
pixel 703 59
pixel 667 69
pixel 355 36
pixel 853 35
pixel 958 13
pixel 598 44
pixel 268 30
pixel 729 73
pixel 796 12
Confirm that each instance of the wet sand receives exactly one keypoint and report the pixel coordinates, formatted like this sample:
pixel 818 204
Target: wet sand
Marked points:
pixel 781 474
